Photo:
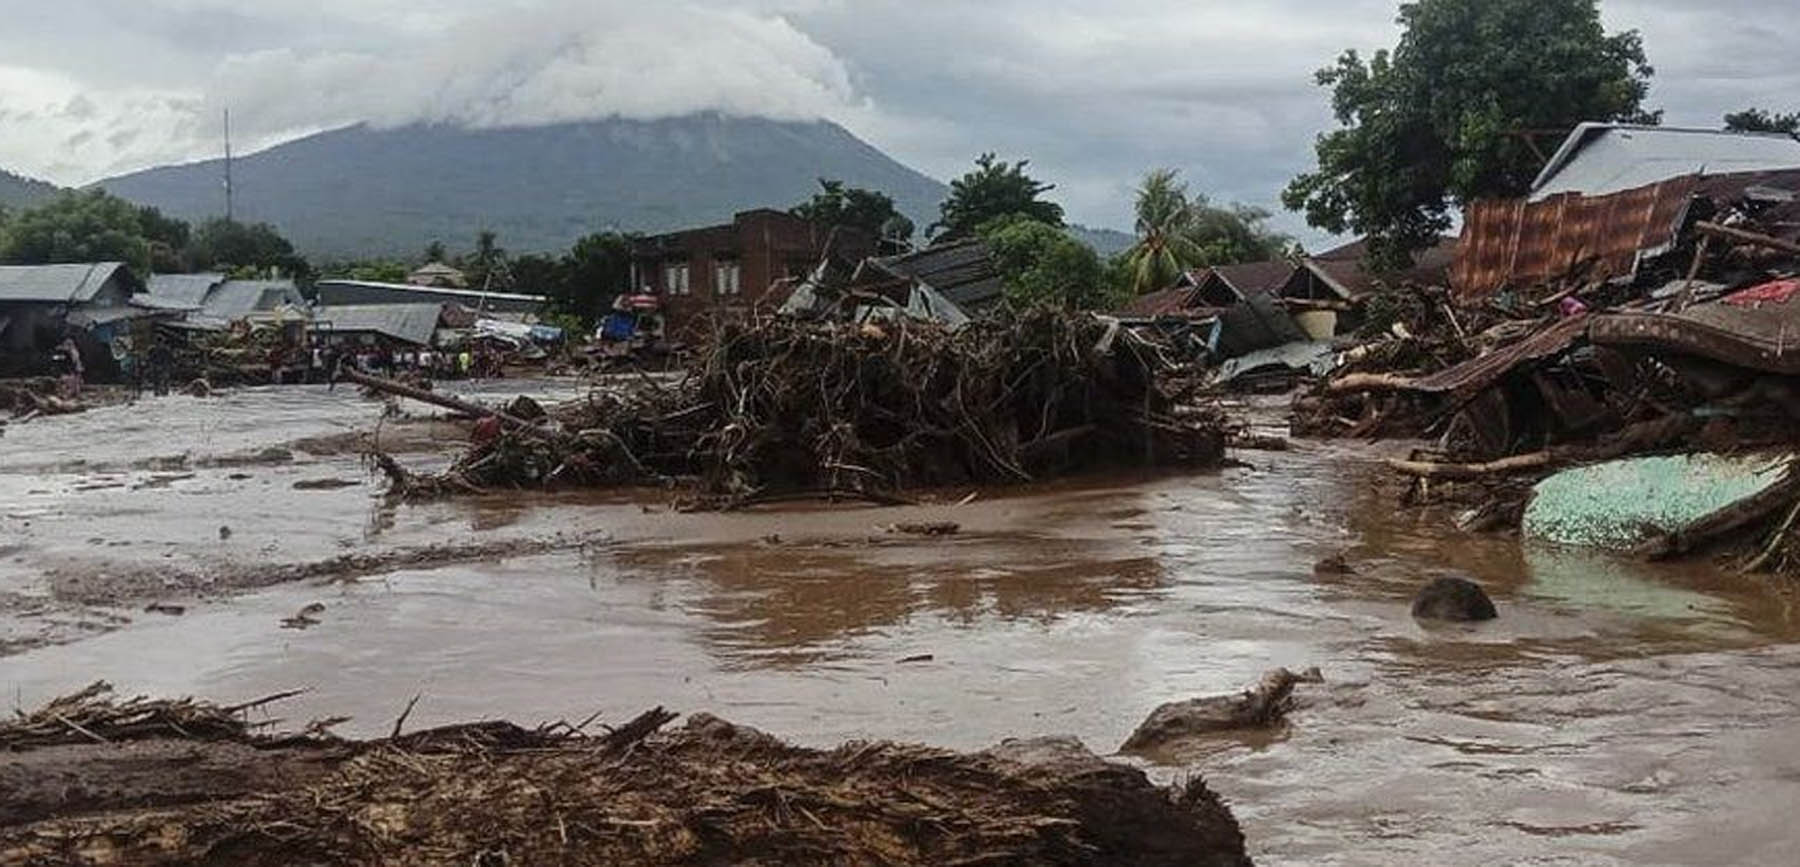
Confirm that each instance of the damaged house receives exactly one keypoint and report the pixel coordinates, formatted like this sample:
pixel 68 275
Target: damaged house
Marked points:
pixel 40 305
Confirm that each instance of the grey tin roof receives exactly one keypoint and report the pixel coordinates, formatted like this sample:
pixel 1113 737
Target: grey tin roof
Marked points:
pixel 413 323
pixel 1602 158
pixel 56 284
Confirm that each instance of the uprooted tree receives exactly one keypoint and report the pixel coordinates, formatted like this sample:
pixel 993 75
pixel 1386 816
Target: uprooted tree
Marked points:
pixel 1450 114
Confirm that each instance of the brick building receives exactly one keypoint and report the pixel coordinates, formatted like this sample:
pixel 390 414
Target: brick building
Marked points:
pixel 719 269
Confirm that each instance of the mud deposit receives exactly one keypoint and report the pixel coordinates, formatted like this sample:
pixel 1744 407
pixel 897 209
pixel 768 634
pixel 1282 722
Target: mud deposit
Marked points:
pixel 1614 713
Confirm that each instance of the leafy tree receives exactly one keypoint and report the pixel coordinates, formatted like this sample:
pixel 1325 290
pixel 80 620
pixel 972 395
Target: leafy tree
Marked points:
pixel 227 245
pixel 1177 232
pixel 89 226
pixel 1165 220
pixel 993 190
pixel 1041 264
pixel 594 272
pixel 434 252
pixel 372 270
pixel 867 211
pixel 487 266
pixel 1445 118
pixel 1757 120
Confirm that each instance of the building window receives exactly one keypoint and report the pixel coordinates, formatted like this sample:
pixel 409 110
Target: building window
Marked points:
pixel 727 278
pixel 675 279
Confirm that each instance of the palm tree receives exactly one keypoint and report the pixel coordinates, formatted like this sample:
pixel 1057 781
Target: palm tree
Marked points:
pixel 1165 221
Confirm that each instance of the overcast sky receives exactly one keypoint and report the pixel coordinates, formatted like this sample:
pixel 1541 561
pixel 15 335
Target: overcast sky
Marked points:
pixel 1092 92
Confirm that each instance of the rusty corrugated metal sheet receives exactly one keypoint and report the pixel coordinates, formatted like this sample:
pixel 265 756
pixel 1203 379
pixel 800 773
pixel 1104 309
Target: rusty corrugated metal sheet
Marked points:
pixel 1512 242
pixel 1765 337
pixel 1479 373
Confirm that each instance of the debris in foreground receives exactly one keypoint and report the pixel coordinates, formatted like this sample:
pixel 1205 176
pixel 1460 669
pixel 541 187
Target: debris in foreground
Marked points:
pixel 495 793
pixel 781 409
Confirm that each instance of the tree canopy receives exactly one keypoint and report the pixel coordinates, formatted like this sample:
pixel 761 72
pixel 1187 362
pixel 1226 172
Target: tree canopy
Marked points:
pixel 867 211
pixel 1758 120
pixel 92 226
pixel 1178 231
pixel 992 190
pixel 228 245
pixel 1041 264
pixel 1448 115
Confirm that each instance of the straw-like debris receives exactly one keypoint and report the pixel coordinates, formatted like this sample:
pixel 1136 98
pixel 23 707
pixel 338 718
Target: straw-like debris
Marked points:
pixel 709 792
pixel 777 408
pixel 94 716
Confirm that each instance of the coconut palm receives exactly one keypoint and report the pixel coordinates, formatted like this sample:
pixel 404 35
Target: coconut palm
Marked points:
pixel 1165 220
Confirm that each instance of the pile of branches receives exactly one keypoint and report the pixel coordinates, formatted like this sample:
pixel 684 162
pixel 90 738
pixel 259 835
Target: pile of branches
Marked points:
pixel 37 396
pixel 776 407
pixel 93 715
pixel 707 793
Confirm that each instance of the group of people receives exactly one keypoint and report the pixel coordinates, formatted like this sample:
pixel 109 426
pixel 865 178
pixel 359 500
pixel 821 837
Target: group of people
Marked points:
pixel 431 363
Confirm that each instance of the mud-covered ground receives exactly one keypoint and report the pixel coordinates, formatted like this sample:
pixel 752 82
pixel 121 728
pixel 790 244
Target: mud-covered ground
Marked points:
pixel 1615 713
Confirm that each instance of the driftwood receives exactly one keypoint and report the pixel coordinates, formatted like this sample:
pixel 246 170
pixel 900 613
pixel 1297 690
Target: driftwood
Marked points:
pixel 1258 707
pixel 774 408
pixel 494 793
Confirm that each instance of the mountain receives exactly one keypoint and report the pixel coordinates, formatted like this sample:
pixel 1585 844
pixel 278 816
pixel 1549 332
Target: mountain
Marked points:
pixel 363 191
pixel 18 191
pixel 1106 242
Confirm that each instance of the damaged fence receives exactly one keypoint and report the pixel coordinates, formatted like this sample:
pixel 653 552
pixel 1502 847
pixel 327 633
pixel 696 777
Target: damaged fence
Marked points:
pixel 778 408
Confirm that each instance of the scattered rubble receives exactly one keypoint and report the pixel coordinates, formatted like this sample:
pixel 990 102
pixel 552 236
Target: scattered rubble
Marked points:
pixel 496 793
pixel 1571 342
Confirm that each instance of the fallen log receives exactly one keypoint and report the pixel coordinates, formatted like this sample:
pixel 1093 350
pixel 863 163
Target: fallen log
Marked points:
pixel 468 408
pixel 1744 236
pixel 1463 472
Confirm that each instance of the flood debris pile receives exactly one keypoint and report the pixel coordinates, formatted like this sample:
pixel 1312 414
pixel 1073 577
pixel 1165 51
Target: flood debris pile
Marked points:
pixel 776 408
pixel 93 715
pixel 31 397
pixel 1605 333
pixel 706 792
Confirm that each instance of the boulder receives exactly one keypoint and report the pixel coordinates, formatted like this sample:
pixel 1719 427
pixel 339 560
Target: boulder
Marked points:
pixel 1454 599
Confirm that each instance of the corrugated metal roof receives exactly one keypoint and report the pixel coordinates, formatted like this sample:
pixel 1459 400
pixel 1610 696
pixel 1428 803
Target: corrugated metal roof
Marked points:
pixel 1763 337
pixel 413 323
pixel 1164 303
pixel 186 289
pixel 235 299
pixel 1249 278
pixel 56 284
pixel 1519 243
pixel 962 272
pixel 1342 268
pixel 426 293
pixel 1598 159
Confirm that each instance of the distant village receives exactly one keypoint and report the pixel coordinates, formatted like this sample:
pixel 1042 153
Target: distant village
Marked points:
pixel 117 325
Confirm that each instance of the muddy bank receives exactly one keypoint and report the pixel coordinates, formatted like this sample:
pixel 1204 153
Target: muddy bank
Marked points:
pixel 495 793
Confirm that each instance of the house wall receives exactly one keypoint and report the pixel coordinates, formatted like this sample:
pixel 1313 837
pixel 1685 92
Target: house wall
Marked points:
pixel 766 245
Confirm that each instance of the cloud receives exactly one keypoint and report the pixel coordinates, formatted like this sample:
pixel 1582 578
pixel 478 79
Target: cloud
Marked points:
pixel 546 62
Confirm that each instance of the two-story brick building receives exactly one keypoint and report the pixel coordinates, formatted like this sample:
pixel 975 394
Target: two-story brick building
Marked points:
pixel 730 267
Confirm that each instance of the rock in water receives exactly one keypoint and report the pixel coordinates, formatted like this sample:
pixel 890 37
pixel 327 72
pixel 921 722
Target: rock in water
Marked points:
pixel 1258 707
pixel 1456 599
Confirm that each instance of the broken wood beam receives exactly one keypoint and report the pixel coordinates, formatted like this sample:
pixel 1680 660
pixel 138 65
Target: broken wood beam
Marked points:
pixel 389 386
pixel 1744 236
pixel 1431 470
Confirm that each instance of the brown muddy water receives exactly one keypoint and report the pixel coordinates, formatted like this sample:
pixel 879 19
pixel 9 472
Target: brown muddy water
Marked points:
pixel 1615 714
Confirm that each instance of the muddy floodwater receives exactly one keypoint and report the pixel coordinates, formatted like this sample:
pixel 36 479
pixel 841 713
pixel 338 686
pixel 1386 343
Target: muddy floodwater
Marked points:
pixel 1616 713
